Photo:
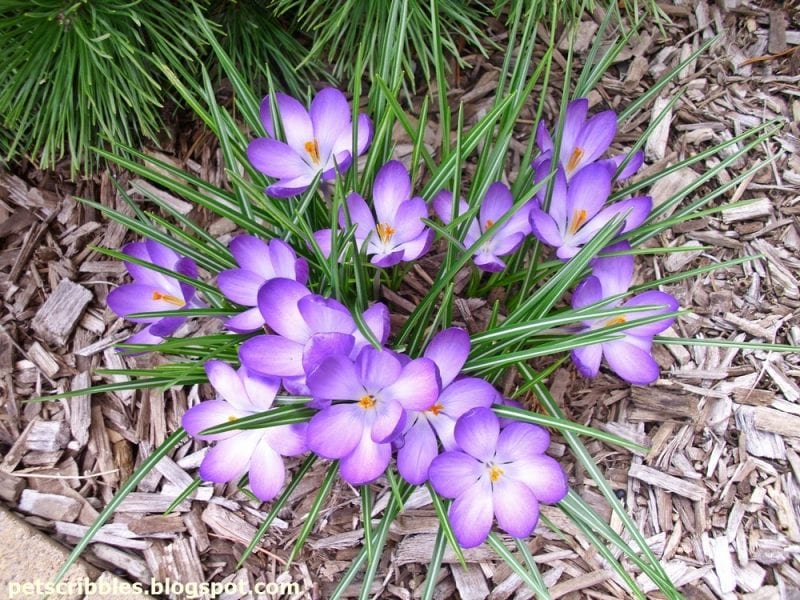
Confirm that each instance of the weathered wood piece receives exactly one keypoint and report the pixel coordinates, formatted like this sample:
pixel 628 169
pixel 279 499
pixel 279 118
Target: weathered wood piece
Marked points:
pixel 670 483
pixel 57 317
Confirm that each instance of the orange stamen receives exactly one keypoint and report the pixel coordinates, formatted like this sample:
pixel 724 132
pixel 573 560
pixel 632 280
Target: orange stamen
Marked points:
pixel 578 219
pixel 231 419
pixel 495 472
pixel 385 232
pixel 574 159
pixel 312 148
pixel 367 401
pixel 616 321
pixel 169 299
pixel 436 409
pixel 489 223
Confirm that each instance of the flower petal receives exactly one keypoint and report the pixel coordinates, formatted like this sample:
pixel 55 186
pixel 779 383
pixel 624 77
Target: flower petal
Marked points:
pixel 631 362
pixel 587 193
pixel 614 273
pixel 245 322
pixel 544 227
pixel 574 122
pixel 267 472
pixel 324 345
pixel 471 514
pixel 452 473
pixel 496 203
pixel 335 431
pixel 323 315
pixel 589 291
pixel 167 326
pixel 209 414
pixel 335 378
pixel 285 188
pixel 295 121
pixel 417 387
pixel 360 215
pixel 389 421
pixel 288 440
pixel 330 116
pixel 415 248
pixel 377 369
pixel 273 355
pixel 596 136
pixel 467 393
pixel 240 286
pixel 587 359
pixel 227 383
pixel 419 449
pixel 278 301
pixel 391 188
pixel 377 319
pixel 276 159
pixel 654 298
pixel 135 298
pixel 366 463
pixel 229 459
pixel 449 349
pixel 515 506
pixel 477 432
pixel 542 474
pixel 260 390
pixel 408 223
pixel 520 441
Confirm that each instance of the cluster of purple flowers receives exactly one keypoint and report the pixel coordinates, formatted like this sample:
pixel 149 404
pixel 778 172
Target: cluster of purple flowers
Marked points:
pixel 373 402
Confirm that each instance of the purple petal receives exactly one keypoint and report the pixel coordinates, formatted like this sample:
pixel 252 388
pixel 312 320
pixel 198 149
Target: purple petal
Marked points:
pixel 278 301
pixel 543 140
pixel 377 319
pixel 417 387
pixel 391 188
pixel 596 136
pixel 655 298
pixel 227 383
pixel 364 133
pixel 444 425
pixel 389 419
pixel 630 361
pixel 515 506
pixel 141 274
pixel 463 395
pixel 366 462
pixel 288 440
pixel 267 472
pixel 161 255
pixel 586 195
pixel 377 369
pixel 229 459
pixel 330 116
pixel 240 286
pixel 630 169
pixel 471 514
pixel 245 322
pixel 418 451
pixel 488 262
pixel 323 315
pixel 209 414
pixel 408 223
pixel 336 378
pixel 135 298
pixel 520 441
pixel 145 336
pixel 636 210
pixel 589 291
pixel 324 345
pixel 443 206
pixel 276 159
pixel 387 260
pixel 273 355
pixel 167 326
pixel 508 243
pixel 477 432
pixel 285 188
pixel 283 262
pixel 449 349
pixel 252 254
pixel 542 475
pixel 496 203
pixel 335 431
pixel 260 390
pixel 415 248
pixel 360 215
pixel 452 473
pixel 296 122
pixel 324 239
pixel 587 359
pixel 615 273
pixel 574 123
pixel 544 227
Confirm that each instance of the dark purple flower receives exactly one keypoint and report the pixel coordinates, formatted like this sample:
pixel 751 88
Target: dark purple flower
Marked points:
pixel 496 473
pixel 319 140
pixel 505 240
pixel 583 142
pixel 259 262
pixel 257 451
pixel 630 356
pixel 419 446
pixel 153 292
pixel 377 389
pixel 398 233
pixel 576 213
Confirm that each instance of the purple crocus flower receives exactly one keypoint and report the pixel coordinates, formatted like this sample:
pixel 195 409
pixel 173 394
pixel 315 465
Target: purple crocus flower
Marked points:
pixel 257 451
pixel 576 213
pixel 584 141
pixel 309 328
pixel 259 262
pixel 496 203
pixel 152 291
pixel 318 140
pixel 378 389
pixel 630 356
pixel 502 473
pixel 398 233
pixel 418 446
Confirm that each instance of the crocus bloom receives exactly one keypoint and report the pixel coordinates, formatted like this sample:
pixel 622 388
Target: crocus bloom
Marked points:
pixel 398 233
pixel 584 141
pixel 418 446
pixel 319 140
pixel 630 356
pixel 152 291
pixel 259 262
pixel 501 473
pixel 505 240
pixel 576 213
pixel 378 389
pixel 257 451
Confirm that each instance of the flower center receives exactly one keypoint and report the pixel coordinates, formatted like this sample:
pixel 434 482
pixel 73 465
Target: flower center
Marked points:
pixel 175 301
pixel 367 401
pixel 578 219
pixel 574 159
pixel 616 321
pixel 312 149
pixel 495 473
pixel 489 223
pixel 385 232
pixel 232 418
pixel 436 409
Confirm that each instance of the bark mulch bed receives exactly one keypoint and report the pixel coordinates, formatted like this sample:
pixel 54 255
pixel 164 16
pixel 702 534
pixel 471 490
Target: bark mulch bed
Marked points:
pixel 717 495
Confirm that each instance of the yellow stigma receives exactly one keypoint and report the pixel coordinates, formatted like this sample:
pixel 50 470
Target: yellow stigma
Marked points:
pixel 616 321
pixel 169 299
pixel 495 472
pixel 232 418
pixel 489 223
pixel 578 219
pixel 385 232
pixel 312 148
pixel 574 159
pixel 436 409
pixel 367 401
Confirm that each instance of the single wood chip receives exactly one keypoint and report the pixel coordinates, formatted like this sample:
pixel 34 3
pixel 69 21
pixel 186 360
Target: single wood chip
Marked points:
pixel 49 506
pixel 62 310
pixel 672 484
